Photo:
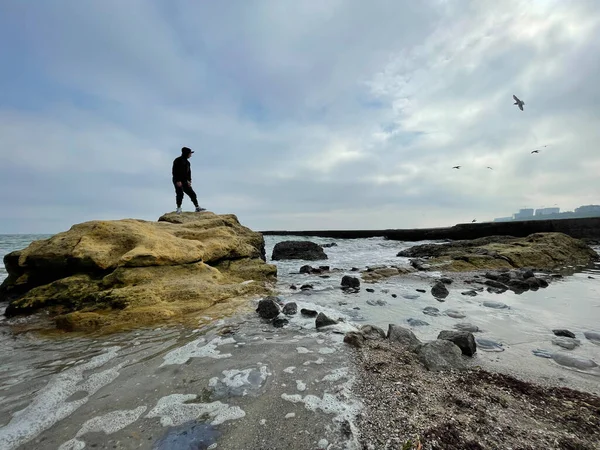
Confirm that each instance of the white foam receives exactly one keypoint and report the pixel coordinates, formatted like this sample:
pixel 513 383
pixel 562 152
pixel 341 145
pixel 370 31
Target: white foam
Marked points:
pixel 300 385
pixel 303 350
pixel 50 406
pixel 336 374
pixel 323 443
pixel 290 415
pixel 111 422
pixel 72 444
pixel 172 410
pixel 289 369
pixel 318 361
pixel 263 421
pixel 197 349
pixel 326 350
pixel 236 378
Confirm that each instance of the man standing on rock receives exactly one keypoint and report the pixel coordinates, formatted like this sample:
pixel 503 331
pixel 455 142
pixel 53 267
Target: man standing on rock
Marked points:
pixel 182 179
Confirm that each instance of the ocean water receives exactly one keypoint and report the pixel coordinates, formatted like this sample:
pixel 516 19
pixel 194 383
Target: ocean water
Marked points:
pixel 180 388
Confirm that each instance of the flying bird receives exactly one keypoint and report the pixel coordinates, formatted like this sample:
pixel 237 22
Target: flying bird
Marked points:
pixel 474 220
pixel 456 167
pixel 535 151
pixel 489 168
pixel 518 102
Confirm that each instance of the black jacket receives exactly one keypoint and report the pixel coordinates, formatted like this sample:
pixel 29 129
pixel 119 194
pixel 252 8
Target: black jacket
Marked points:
pixel 182 170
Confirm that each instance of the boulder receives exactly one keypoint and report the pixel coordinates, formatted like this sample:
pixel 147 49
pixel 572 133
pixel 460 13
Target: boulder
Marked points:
pixel 268 308
pixel 455 314
pixel 121 274
pixel 403 336
pixel 496 284
pixel 309 312
pixel 565 333
pixel 440 355
pixel 528 274
pixel 518 286
pixel 306 287
pixel 354 339
pixel 417 322
pixel 306 269
pixel 566 342
pixel 306 250
pixel 290 309
pixel 593 336
pixel 463 339
pixel 439 291
pixel 322 321
pixel 372 332
pixel 370 290
pixel 350 282
pixel 280 322
pixel 446 280
pixel 467 327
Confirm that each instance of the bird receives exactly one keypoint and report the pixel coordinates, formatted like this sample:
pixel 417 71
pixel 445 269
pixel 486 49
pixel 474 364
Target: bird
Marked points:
pixel 535 151
pixel 474 220
pixel 456 167
pixel 518 102
pixel 489 168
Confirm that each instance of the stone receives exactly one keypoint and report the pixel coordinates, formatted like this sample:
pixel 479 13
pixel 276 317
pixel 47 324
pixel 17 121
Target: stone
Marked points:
pixel 306 250
pixel 372 332
pixel 576 362
pixel 279 322
pixel 440 355
pixel 322 321
pixel 439 291
pixel 354 269
pixel 309 312
pixel 354 339
pixel 416 322
pixel 566 342
pixel 324 268
pixel 533 283
pixel 463 339
pixel 268 308
pixel 470 293
pixel 403 336
pixel 306 269
pixel 518 286
pixel 410 296
pixel 431 311
pixel 496 284
pixel 455 314
pixel 493 290
pixel 446 280
pixel 376 302
pixel 293 287
pixel 371 290
pixel 291 308
pixel 422 291
pixel 542 353
pixel 495 305
pixel 121 274
pixel 543 283
pixel 488 345
pixel 492 276
pixel 332 244
pixel 565 333
pixel 306 287
pixel 394 295
pixel 351 282
pixel 593 336
pixel 528 274
pixel 466 327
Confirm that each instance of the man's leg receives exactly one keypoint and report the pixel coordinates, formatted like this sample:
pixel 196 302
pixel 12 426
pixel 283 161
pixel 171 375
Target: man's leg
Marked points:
pixel 178 195
pixel 191 194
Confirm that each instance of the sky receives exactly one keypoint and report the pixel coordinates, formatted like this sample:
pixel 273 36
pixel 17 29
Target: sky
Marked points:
pixel 321 114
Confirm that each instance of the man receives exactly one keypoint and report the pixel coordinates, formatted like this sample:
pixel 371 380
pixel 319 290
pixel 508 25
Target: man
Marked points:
pixel 182 179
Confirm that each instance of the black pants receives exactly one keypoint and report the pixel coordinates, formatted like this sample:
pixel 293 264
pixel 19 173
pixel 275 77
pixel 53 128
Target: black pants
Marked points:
pixel 187 189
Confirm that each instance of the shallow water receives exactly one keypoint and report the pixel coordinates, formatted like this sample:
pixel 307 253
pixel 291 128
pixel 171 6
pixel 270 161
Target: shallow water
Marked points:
pixel 262 387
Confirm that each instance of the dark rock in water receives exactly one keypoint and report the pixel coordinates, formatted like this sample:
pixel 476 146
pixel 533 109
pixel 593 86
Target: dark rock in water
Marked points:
pixel 410 296
pixel 593 336
pixel 491 276
pixel 504 278
pixel 556 275
pixel 470 293
pixel 421 291
pixel 332 244
pixel 463 339
pixel 518 286
pixel 189 436
pixel 324 276
pixel 403 336
pixel 496 284
pixel 528 274
pixel 488 345
pixel 354 269
pixel 591 277
pixel 376 302
pixel 324 268
pixel 306 287
pixel 371 290
pixel 495 305
pixel 440 355
pixel 566 342
pixel 533 283
pixel 542 353
pixel 290 309
pixel 268 308
pixel 306 250
pixel 576 362
pixel 455 314
pixel 306 269
pixel 293 287
pixel 431 311
pixel 565 333
pixel 467 327
pixel 493 290
pixel 309 312
pixel 322 321
pixel 439 291
pixel 372 332
pixel 418 264
pixel 394 296
pixel 385 291
pixel 446 280
pixel 280 322
pixel 543 283
pixel 354 339
pixel 416 322
pixel 351 282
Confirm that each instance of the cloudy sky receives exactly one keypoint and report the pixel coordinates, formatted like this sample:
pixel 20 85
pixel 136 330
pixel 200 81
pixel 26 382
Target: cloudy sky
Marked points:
pixel 318 114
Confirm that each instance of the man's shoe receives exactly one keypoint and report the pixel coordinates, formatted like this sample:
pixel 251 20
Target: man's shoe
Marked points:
pixel 178 211
pixel 199 209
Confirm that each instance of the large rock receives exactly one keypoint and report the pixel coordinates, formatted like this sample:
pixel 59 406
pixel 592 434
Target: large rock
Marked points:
pixel 305 250
pixel 322 321
pixel 440 355
pixel 372 332
pixel 127 273
pixel 439 291
pixel 268 308
pixel 350 282
pixel 463 339
pixel 545 251
pixel 403 336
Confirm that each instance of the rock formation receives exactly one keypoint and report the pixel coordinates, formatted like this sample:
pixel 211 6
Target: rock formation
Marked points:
pixel 118 274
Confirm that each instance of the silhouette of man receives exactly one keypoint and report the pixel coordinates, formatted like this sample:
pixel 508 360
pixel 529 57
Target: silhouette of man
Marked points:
pixel 182 179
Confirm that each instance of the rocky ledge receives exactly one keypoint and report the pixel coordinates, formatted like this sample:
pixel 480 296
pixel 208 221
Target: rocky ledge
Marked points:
pixel 112 275
pixel 543 251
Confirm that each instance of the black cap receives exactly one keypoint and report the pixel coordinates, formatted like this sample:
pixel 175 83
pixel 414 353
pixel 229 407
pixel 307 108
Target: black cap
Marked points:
pixel 186 151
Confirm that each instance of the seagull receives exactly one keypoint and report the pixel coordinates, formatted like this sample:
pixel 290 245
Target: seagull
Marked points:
pixel 489 168
pixel 535 151
pixel 456 167
pixel 474 220
pixel 518 102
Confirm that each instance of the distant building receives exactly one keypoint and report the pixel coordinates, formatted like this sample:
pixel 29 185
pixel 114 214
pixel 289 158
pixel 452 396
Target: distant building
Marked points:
pixel 552 213
pixel 588 209
pixel 546 211
pixel 503 219
pixel 523 214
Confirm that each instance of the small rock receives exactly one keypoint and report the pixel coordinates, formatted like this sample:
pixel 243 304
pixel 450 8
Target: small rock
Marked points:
pixel 518 286
pixel 565 333
pixel 422 291
pixel 455 314
pixel 293 287
pixel 590 277
pixel 469 293
pixel 354 269
pixel 446 280
pixel 533 283
pixel 496 284
pixel 324 268
pixel 491 276
pixel 268 308
pixel 488 345
pixel 309 312
pixel 372 332
pixel 495 305
pixel 543 283
pixel 463 339
pixel 306 269
pixel 322 321
pixel 394 296
pixel 493 290
pixel 290 309
pixel 542 353
pixel 577 362
pixel 556 275
pixel 332 244
pixel 417 322
pixel 297 250
pixel 306 287
pixel 280 322
pixel 351 282
pixel 376 302
pixel 403 336
pixel 371 290
pixel 467 327
pixel 410 296
pixel 566 342
pixel 354 339
pixel 431 311
pixel 385 291
pixel 593 336
pixel 528 274
pixel 439 291
pixel 440 355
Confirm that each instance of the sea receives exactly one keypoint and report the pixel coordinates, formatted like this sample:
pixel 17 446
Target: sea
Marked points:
pixel 240 383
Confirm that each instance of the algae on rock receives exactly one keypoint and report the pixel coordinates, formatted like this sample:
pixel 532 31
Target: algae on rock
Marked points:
pixel 118 274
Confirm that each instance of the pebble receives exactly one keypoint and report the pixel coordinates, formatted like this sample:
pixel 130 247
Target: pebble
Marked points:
pixel 487 345
pixel 431 311
pixel 454 314
pixel 416 322
pixel 495 305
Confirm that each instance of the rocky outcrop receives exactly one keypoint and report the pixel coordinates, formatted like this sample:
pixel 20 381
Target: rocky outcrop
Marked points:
pixel 542 251
pixel 118 274
pixel 305 250
pixel 374 274
pixel 440 355
pixel 403 336
pixel 350 282
pixel 268 308
pixel 463 339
